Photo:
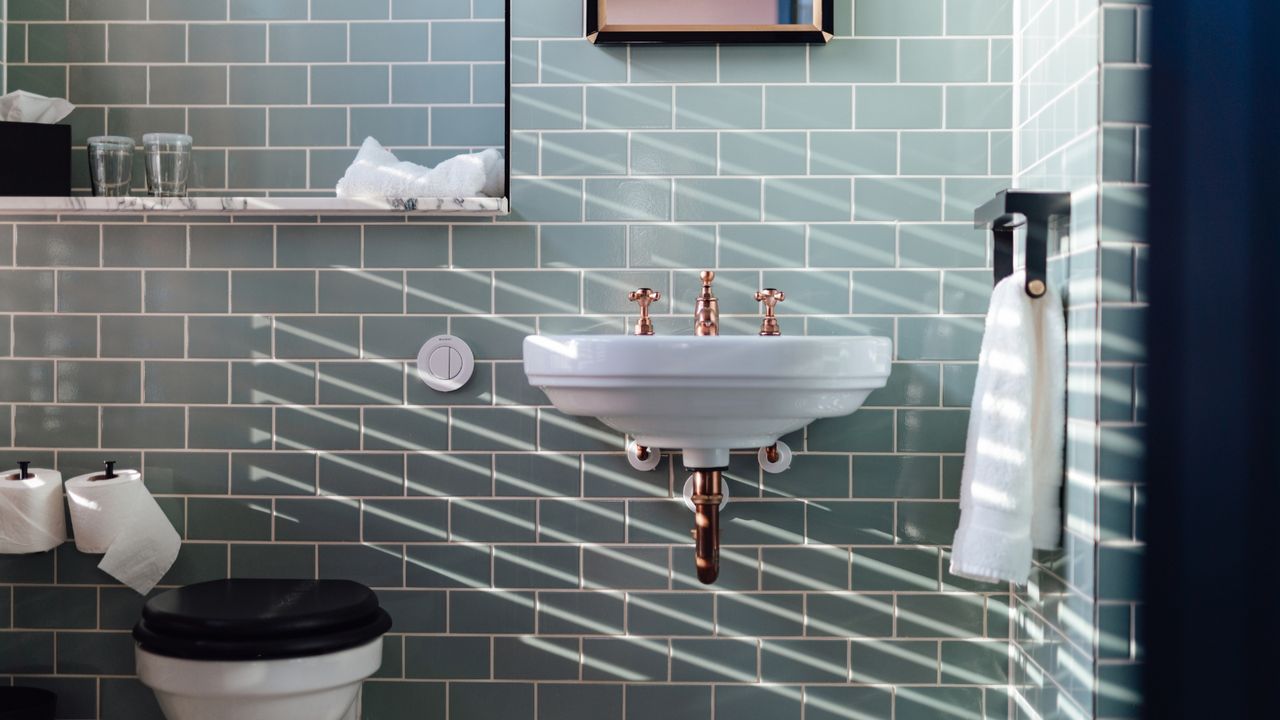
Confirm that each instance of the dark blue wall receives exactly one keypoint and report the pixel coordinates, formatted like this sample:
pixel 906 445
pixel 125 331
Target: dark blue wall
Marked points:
pixel 1214 477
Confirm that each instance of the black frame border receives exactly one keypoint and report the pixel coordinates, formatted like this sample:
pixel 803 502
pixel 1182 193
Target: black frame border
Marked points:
pixel 506 150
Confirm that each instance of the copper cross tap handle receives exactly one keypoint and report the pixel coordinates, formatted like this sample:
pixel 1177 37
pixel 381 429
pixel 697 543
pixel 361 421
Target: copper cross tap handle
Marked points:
pixel 644 297
pixel 770 297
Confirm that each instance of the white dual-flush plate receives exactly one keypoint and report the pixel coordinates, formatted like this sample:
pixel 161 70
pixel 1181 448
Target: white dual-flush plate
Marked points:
pixel 445 363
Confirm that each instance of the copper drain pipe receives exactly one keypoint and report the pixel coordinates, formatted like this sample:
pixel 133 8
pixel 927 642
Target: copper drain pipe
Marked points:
pixel 706 531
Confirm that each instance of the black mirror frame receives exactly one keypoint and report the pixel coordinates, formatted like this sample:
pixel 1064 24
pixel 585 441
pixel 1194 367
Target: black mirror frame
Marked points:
pixel 506 110
pixel 817 33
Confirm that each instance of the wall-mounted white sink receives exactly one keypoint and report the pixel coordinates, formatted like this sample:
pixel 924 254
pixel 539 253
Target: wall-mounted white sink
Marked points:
pixel 707 395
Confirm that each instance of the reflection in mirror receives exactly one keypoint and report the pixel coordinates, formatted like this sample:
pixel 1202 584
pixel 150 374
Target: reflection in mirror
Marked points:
pixel 280 104
pixel 710 12
pixel 704 21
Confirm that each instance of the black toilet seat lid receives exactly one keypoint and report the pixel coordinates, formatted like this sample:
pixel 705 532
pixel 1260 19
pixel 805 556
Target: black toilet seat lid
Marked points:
pixel 260 619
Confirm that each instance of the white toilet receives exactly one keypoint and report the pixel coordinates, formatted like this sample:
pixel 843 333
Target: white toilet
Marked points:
pixel 260 649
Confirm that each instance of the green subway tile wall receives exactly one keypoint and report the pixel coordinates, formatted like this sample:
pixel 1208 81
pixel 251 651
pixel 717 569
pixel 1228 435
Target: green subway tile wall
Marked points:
pixel 261 372
pixel 1081 125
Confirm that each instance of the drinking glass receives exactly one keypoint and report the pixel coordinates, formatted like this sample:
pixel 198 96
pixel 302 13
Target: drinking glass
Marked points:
pixel 110 165
pixel 168 163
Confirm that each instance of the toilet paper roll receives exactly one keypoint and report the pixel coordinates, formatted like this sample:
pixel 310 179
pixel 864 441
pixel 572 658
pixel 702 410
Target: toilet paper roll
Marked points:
pixel 31 516
pixel 117 516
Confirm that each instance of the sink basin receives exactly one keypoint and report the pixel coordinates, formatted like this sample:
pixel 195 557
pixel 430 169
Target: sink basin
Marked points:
pixel 707 395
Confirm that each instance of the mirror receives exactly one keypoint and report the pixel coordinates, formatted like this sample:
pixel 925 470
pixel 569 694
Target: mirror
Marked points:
pixel 710 21
pixel 278 98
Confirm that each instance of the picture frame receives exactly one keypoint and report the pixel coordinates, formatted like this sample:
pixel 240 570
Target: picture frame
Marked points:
pixel 817 29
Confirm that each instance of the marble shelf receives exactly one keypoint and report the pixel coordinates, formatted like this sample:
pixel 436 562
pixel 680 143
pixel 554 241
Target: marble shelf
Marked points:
pixel 252 206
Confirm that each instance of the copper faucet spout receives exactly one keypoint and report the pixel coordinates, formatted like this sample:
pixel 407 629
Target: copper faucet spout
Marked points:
pixel 706 531
pixel 706 312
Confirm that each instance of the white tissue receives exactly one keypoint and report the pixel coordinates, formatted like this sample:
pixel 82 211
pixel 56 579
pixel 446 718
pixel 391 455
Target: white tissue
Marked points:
pixel 31 517
pixel 118 516
pixel 495 173
pixel 377 173
pixel 22 106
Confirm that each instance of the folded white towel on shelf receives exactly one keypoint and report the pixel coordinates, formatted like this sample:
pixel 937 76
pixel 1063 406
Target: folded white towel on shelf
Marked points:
pixel 377 173
pixel 23 106
pixel 1013 458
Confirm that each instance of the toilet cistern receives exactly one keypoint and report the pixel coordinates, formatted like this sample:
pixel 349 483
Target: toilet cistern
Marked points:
pixel 707 394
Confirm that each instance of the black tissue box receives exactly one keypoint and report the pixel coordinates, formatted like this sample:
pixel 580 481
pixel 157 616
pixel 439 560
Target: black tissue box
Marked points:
pixel 37 159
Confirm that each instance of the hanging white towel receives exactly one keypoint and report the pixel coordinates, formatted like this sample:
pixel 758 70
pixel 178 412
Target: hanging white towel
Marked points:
pixel 1013 458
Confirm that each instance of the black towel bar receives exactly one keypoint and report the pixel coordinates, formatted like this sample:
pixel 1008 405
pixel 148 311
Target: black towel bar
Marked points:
pixel 1042 212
